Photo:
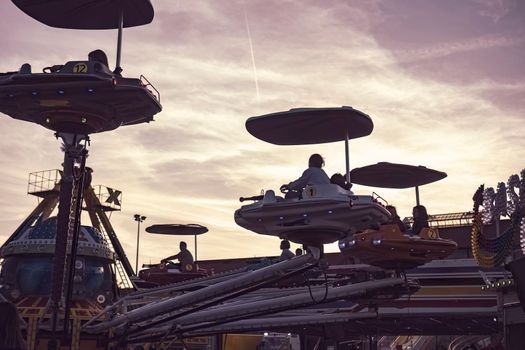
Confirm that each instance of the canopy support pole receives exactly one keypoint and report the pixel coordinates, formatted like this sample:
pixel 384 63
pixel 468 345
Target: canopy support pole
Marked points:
pixel 195 247
pixel 118 69
pixel 417 195
pixel 347 157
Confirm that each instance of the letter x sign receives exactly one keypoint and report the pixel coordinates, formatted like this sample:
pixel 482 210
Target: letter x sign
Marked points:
pixel 113 196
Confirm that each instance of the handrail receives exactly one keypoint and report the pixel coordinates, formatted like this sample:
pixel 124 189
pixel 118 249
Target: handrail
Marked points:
pixel 377 197
pixel 151 85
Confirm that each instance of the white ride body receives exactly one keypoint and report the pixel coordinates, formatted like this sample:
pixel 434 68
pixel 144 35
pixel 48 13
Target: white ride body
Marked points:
pixel 324 214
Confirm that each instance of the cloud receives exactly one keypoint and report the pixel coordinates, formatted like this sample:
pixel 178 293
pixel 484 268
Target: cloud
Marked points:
pixel 446 49
pixel 193 162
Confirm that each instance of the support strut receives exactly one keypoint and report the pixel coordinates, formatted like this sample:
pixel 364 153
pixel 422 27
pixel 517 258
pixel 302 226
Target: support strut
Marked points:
pixel 72 152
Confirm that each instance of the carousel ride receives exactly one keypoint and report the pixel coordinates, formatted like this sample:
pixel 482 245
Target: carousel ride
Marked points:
pixel 393 245
pixel 322 213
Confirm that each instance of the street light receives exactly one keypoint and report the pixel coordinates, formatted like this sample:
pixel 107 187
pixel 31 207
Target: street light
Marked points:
pixel 138 218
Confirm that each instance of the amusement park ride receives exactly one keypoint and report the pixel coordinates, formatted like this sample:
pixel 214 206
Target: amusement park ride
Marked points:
pixel 388 246
pixel 64 276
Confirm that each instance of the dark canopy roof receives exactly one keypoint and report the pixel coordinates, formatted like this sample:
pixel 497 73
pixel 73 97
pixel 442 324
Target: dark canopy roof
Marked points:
pixel 392 175
pixel 304 126
pixel 177 229
pixel 87 14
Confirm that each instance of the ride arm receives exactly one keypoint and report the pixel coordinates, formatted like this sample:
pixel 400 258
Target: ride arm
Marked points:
pixel 154 310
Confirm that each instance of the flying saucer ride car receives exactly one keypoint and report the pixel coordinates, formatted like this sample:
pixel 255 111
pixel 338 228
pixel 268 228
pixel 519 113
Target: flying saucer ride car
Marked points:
pixel 389 247
pixel 83 96
pixel 167 273
pixel 324 213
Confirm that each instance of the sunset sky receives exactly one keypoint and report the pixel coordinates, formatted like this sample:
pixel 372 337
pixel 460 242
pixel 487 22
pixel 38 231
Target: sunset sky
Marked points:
pixel 444 82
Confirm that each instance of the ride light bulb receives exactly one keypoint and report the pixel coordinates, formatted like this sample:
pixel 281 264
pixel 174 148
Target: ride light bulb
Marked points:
pixel 376 241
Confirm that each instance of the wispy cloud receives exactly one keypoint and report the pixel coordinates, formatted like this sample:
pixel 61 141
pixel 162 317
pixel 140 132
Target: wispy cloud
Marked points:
pixel 451 48
pixel 196 159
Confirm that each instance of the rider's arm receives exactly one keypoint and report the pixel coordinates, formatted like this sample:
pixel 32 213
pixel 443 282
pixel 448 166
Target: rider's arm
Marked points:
pixel 301 182
pixel 173 257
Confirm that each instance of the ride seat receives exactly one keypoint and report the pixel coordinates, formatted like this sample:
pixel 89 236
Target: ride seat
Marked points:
pixel 86 67
pixel 269 197
pixel 429 233
pixel 25 69
pixel 189 267
pixel 324 191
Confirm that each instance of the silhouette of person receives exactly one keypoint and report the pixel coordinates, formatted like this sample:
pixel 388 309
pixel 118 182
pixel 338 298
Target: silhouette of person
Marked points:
pixel 419 213
pixel 98 56
pixel 314 175
pixel 395 218
pixel 10 330
pixel 286 253
pixel 184 256
pixel 340 180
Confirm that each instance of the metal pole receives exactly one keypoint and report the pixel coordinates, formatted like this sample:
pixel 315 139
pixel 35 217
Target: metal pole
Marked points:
pixel 195 247
pixel 417 195
pixel 74 242
pixel 64 210
pixel 118 70
pixel 138 218
pixel 347 157
pixel 137 257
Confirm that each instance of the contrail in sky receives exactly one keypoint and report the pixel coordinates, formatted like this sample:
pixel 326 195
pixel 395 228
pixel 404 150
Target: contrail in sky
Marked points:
pixel 251 50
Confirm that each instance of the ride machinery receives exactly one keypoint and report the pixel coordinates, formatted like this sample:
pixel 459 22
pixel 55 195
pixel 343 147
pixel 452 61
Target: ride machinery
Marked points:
pixel 248 299
pixel 75 99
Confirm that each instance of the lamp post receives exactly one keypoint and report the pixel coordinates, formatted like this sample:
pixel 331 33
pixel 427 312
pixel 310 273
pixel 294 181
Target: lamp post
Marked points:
pixel 138 218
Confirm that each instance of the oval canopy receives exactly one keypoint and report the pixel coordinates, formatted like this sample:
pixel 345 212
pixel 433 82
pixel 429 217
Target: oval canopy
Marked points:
pixel 177 229
pixel 305 126
pixel 88 14
pixel 392 175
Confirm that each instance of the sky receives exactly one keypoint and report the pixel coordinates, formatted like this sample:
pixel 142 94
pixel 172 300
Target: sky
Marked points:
pixel 443 81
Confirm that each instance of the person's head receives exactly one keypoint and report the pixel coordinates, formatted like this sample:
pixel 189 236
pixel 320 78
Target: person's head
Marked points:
pixel 392 210
pixel 338 179
pixel 420 212
pixel 183 245
pixel 10 332
pixel 316 160
pixel 98 56
pixel 298 251
pixel 285 244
